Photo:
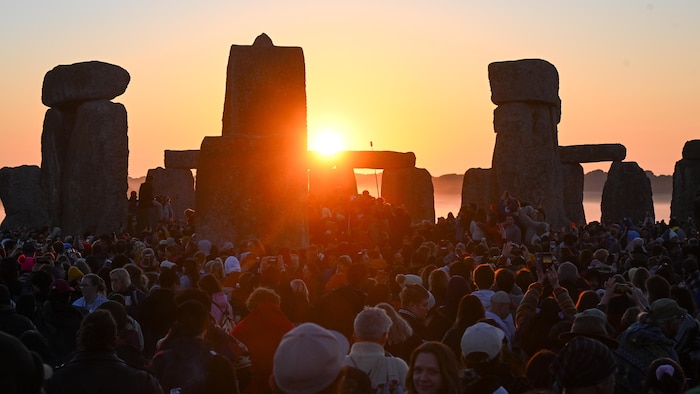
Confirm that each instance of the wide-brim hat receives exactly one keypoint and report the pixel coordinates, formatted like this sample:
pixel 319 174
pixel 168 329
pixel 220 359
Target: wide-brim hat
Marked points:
pixel 589 326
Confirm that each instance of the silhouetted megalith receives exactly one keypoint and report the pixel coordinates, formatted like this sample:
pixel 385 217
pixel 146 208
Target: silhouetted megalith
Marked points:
pixel 331 182
pixel 69 85
pixel 478 188
pixel 592 153
pixel 20 192
pixel 527 80
pixel 686 181
pixel 94 182
pixel 366 159
pixel 176 183
pixel 55 142
pixel 252 181
pixel 627 193
pixel 181 159
pixel 572 176
pixel 412 188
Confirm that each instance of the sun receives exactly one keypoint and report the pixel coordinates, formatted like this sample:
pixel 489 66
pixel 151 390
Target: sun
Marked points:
pixel 327 142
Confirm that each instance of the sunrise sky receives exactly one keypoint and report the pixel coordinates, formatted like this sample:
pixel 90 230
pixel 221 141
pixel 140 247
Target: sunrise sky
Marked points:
pixel 407 75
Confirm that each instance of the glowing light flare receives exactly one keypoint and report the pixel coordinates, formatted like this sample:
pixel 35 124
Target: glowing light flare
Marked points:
pixel 327 142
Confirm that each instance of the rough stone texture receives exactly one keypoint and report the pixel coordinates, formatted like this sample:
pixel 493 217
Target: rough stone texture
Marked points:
pixel 592 153
pixel 93 182
pixel 327 183
pixel 477 188
pixel 413 188
pixel 527 80
pixel 69 85
pixel 178 184
pixel 20 191
pixel 526 157
pixel 627 193
pixel 572 176
pixel 266 93
pixel 181 159
pixel 691 150
pixel 686 181
pixel 251 187
pixel 55 140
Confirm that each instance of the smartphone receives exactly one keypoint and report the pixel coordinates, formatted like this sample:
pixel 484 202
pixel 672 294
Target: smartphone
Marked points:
pixel 621 289
pixel 547 262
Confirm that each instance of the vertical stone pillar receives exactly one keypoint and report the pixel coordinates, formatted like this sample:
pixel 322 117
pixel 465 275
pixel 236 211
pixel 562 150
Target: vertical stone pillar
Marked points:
pixel 686 182
pixel 626 194
pixel 526 158
pixel 572 188
pixel 252 181
pixel 413 188
pixel 477 188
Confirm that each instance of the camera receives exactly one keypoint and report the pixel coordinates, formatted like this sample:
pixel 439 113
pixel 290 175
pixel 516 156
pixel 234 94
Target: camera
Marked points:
pixel 621 289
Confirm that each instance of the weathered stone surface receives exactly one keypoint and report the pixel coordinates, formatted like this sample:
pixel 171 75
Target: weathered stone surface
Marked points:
pixel 181 159
pixel 526 157
pixel 686 186
pixel 524 80
pixel 478 188
pixel 55 140
pixel 327 183
pixel 413 188
pixel 366 159
pixel 94 176
pixel 592 153
pixel 252 187
pixel 20 191
pixel 266 93
pixel 691 150
pixel 627 193
pixel 178 184
pixel 572 177
pixel 69 85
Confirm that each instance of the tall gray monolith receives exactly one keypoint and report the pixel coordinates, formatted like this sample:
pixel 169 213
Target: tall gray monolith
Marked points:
pixel 20 192
pixel 412 188
pixel 686 183
pixel 252 181
pixel 526 157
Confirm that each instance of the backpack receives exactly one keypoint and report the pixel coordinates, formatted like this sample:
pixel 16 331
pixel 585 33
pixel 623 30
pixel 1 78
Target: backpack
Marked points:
pixel 227 322
pixel 390 383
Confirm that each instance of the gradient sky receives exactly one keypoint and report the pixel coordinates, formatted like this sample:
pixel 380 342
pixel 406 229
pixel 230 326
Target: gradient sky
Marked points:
pixel 407 75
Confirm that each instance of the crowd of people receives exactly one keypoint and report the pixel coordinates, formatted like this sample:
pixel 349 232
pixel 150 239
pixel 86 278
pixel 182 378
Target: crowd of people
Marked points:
pixel 492 300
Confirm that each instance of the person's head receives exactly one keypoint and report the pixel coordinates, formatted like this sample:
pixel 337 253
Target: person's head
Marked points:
pixel 537 369
pixel 587 299
pixel 414 298
pixel 192 320
pixel 483 277
pixel 308 360
pixel 98 331
pixel 209 284
pixel 666 314
pixel 500 304
pixel 584 365
pixel 400 330
pixel 262 295
pixel 372 325
pixel 481 343
pixel 21 370
pixel 664 376
pixel 505 279
pixel 118 312
pixel 470 311
pixel 91 285
pixel 437 281
pixel 168 279
pixel 657 288
pixel 299 289
pixel 120 279
pixel 433 369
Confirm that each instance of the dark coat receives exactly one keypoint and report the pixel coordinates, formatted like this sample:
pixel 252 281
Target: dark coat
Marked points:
pixel 101 371
pixel 157 313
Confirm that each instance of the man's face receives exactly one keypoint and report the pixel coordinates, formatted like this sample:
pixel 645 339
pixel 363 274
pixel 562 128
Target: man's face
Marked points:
pixel 420 309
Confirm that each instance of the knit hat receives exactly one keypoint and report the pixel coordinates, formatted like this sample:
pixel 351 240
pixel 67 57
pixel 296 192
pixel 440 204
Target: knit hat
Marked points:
pixel 665 309
pixel 60 286
pixel 582 362
pixel 482 338
pixel 308 359
pixel 74 273
pixel 232 265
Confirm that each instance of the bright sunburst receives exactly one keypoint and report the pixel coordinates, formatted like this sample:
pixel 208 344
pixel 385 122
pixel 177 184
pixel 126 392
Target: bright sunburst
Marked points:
pixel 327 142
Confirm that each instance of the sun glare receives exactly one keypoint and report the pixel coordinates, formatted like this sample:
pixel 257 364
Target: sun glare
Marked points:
pixel 327 142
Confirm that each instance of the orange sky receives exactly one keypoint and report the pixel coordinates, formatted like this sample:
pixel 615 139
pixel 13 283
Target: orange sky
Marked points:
pixel 407 75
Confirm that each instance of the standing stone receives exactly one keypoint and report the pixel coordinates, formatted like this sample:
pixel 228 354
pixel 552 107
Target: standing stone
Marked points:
pixel 572 176
pixel 592 153
pixel 69 85
pixel 94 177
pixel 181 159
pixel 627 193
pixel 178 184
pixel 252 181
pixel 477 188
pixel 526 157
pixel 686 182
pixel 55 140
pixel 413 188
pixel 20 191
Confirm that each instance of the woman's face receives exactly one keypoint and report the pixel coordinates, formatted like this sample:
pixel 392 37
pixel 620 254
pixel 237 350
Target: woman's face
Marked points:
pixel 427 378
pixel 117 284
pixel 87 288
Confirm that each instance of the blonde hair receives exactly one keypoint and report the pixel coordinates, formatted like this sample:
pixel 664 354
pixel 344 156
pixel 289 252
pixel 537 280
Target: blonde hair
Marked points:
pixel 299 288
pixel 400 329
pixel 216 268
